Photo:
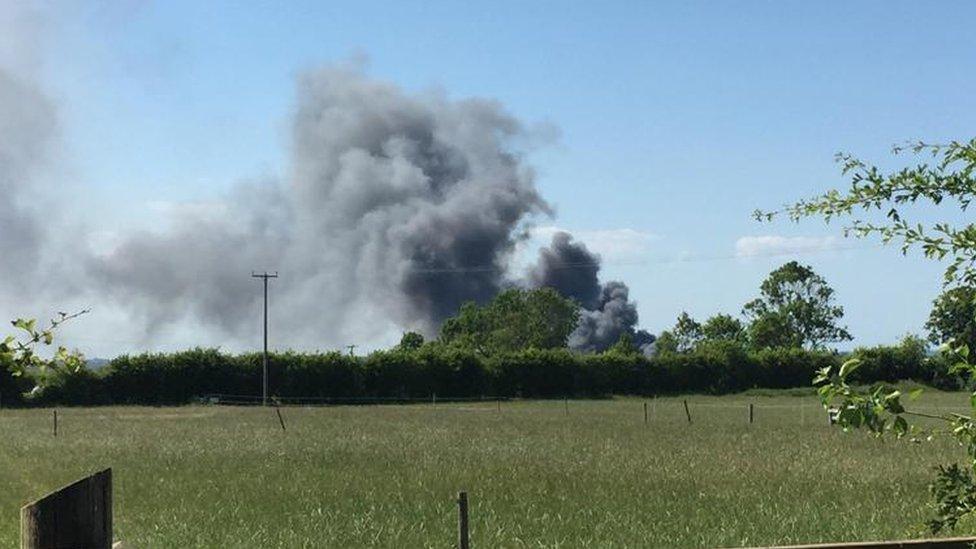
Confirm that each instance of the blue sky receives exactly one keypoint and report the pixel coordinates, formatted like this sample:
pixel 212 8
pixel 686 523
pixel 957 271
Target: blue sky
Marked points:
pixel 675 119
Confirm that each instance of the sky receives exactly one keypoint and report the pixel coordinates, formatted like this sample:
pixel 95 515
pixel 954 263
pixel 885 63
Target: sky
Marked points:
pixel 658 126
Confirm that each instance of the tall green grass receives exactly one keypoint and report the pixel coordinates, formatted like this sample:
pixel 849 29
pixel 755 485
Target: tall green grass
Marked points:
pixel 387 476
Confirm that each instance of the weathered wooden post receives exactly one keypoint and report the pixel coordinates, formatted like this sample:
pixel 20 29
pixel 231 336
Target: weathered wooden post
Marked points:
pixel 462 502
pixel 645 413
pixel 750 413
pixel 78 515
pixel 687 412
pixel 280 419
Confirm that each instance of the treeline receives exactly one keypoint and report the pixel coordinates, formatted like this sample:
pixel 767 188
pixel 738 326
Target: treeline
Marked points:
pixel 721 367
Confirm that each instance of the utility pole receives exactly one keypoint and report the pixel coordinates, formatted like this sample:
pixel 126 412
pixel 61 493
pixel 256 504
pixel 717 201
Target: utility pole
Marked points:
pixel 265 276
pixel 351 348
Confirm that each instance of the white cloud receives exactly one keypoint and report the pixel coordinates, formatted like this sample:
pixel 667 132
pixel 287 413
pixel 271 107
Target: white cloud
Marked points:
pixel 752 246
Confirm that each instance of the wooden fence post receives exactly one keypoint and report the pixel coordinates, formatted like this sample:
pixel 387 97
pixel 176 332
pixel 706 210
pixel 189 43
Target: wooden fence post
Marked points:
pixel 687 412
pixel 55 423
pixel 750 413
pixel 462 501
pixel 78 515
pixel 645 413
pixel 280 419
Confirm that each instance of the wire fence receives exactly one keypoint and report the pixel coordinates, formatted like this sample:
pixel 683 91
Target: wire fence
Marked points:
pixel 257 400
pixel 806 412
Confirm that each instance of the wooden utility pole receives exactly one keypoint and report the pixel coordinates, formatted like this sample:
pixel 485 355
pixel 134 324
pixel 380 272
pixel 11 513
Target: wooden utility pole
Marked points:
pixel 265 276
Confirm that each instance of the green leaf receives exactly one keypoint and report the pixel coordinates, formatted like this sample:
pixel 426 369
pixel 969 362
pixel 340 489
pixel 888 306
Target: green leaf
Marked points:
pixel 848 367
pixel 959 368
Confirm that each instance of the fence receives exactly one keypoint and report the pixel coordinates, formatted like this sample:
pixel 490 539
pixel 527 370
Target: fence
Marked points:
pixel 78 515
pixel 253 400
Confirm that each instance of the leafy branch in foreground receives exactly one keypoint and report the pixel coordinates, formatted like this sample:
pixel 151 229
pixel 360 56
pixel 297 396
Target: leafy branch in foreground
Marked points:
pixel 951 177
pixel 20 353
pixel 881 411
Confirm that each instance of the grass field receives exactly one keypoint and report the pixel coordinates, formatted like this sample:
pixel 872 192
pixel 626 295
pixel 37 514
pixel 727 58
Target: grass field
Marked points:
pixel 387 476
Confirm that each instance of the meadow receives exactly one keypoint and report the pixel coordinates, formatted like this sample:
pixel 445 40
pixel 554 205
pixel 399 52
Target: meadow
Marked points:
pixel 538 473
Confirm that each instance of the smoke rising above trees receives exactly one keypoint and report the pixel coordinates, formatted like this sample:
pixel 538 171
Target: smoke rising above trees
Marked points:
pixel 606 310
pixel 397 208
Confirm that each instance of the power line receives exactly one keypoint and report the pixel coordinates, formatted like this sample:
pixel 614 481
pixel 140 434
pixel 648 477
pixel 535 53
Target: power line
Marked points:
pixel 660 261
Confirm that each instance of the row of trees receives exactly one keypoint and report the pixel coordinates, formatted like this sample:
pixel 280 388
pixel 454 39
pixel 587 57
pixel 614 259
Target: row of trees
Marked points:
pixel 796 308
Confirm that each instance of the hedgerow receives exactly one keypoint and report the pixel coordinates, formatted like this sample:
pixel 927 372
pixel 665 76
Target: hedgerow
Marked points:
pixel 715 368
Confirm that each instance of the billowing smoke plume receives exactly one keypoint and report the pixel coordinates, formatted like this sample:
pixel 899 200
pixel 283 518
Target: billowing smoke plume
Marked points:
pixel 606 310
pixel 397 209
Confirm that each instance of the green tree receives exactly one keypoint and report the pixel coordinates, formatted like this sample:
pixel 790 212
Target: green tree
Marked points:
pixel 624 346
pixel 953 317
pixel 687 331
pixel 949 179
pixel 666 343
pixel 411 341
pixel 515 319
pixel 795 309
pixel 723 327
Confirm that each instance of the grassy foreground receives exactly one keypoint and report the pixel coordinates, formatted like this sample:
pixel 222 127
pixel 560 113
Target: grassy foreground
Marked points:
pixel 387 475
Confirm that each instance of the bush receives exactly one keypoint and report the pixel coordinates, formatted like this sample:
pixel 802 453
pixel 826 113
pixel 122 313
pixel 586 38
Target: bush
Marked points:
pixel 82 388
pixel 908 360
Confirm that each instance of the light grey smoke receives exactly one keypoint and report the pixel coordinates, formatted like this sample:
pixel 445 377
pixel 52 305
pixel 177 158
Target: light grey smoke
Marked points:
pixel 397 209
pixel 606 310
pixel 27 130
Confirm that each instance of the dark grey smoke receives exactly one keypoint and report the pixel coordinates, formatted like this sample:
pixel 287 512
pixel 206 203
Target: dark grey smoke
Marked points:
pixel 397 209
pixel 606 310
pixel 569 268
